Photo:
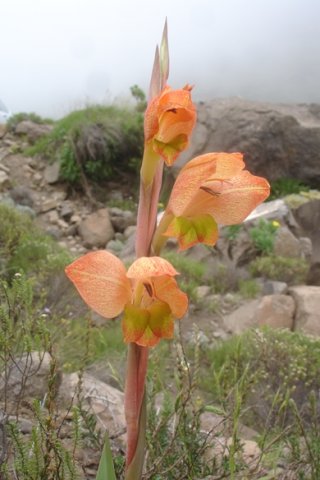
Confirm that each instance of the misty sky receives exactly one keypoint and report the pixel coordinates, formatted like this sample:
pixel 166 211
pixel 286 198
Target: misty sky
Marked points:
pixel 58 55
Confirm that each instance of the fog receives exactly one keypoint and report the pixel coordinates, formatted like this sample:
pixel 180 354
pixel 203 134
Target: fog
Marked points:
pixel 57 55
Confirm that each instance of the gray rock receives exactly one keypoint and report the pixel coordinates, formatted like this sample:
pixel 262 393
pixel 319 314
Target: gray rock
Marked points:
pixel 121 219
pixel 96 230
pixel 52 173
pixel 307 217
pixel 4 180
pixel 286 244
pixel 276 311
pixel 273 137
pixel 22 195
pixel 32 130
pixel 271 287
pixel 313 276
pixel 27 376
pixel 99 398
pixel 307 317
pixel 66 210
pixel 272 310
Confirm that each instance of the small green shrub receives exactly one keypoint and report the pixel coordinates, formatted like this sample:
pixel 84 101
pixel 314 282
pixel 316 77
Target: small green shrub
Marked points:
pixel 271 366
pixel 263 235
pixel 20 117
pixel 232 231
pixel 285 269
pixel 286 186
pixel 24 248
pixel 249 288
pixel 97 142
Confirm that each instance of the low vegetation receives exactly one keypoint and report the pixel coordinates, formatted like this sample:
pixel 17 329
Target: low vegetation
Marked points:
pixel 95 144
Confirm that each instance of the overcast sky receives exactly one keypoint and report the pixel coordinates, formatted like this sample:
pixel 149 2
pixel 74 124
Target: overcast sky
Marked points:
pixel 57 55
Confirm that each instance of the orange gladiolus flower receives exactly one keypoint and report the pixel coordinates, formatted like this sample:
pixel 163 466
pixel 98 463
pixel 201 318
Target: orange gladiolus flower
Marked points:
pixel 169 120
pixel 147 293
pixel 211 189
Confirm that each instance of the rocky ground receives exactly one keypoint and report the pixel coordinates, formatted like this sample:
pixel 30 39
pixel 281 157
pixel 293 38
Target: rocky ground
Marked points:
pixel 33 186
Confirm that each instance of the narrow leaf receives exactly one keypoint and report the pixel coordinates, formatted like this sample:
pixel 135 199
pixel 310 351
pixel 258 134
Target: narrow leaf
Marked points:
pixel 106 469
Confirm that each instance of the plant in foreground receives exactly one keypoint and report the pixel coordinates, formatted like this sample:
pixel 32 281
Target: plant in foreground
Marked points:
pixel 212 188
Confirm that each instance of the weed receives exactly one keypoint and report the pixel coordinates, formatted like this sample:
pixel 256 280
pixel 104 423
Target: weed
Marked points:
pixel 263 235
pixel 249 288
pixel 20 117
pixel 286 186
pixel 95 143
pixel 285 269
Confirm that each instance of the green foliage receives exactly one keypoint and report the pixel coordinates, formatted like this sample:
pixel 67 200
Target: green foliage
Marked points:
pixel 271 366
pixel 232 231
pixel 249 288
pixel 191 273
pixel 20 117
pixel 285 269
pixel 106 469
pixel 140 97
pixel 286 186
pixel 263 235
pixel 97 142
pixel 24 248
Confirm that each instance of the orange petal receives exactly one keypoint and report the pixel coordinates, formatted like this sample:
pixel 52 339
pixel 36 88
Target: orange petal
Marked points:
pixel 101 280
pixel 235 199
pixel 211 165
pixel 166 290
pixel 145 267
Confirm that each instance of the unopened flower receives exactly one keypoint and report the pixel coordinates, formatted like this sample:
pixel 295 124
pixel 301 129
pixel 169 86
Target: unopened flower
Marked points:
pixel 169 121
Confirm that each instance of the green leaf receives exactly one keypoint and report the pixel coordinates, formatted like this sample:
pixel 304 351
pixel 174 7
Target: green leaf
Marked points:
pixel 106 469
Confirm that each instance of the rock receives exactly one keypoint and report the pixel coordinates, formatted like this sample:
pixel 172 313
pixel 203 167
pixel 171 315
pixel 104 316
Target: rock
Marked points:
pixel 4 180
pixel 274 210
pixel 307 217
pixel 272 310
pixel 66 211
pixel 53 216
pixel 271 287
pixel 121 219
pixel 28 376
pixel 96 230
pixel 52 173
pixel 286 244
pixel 306 248
pixel 32 130
pixel 22 195
pixel 75 219
pixel 202 291
pixel 276 311
pixel 273 137
pixel 130 231
pixel 242 318
pixel 49 204
pixel 307 317
pixel 313 276
pixel 99 398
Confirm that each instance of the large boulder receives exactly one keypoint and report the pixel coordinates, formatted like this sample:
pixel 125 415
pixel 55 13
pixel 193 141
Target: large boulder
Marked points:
pixel 307 317
pixel 278 140
pixel 96 230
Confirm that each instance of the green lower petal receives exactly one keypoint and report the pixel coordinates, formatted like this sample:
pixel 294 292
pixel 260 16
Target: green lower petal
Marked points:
pixel 190 231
